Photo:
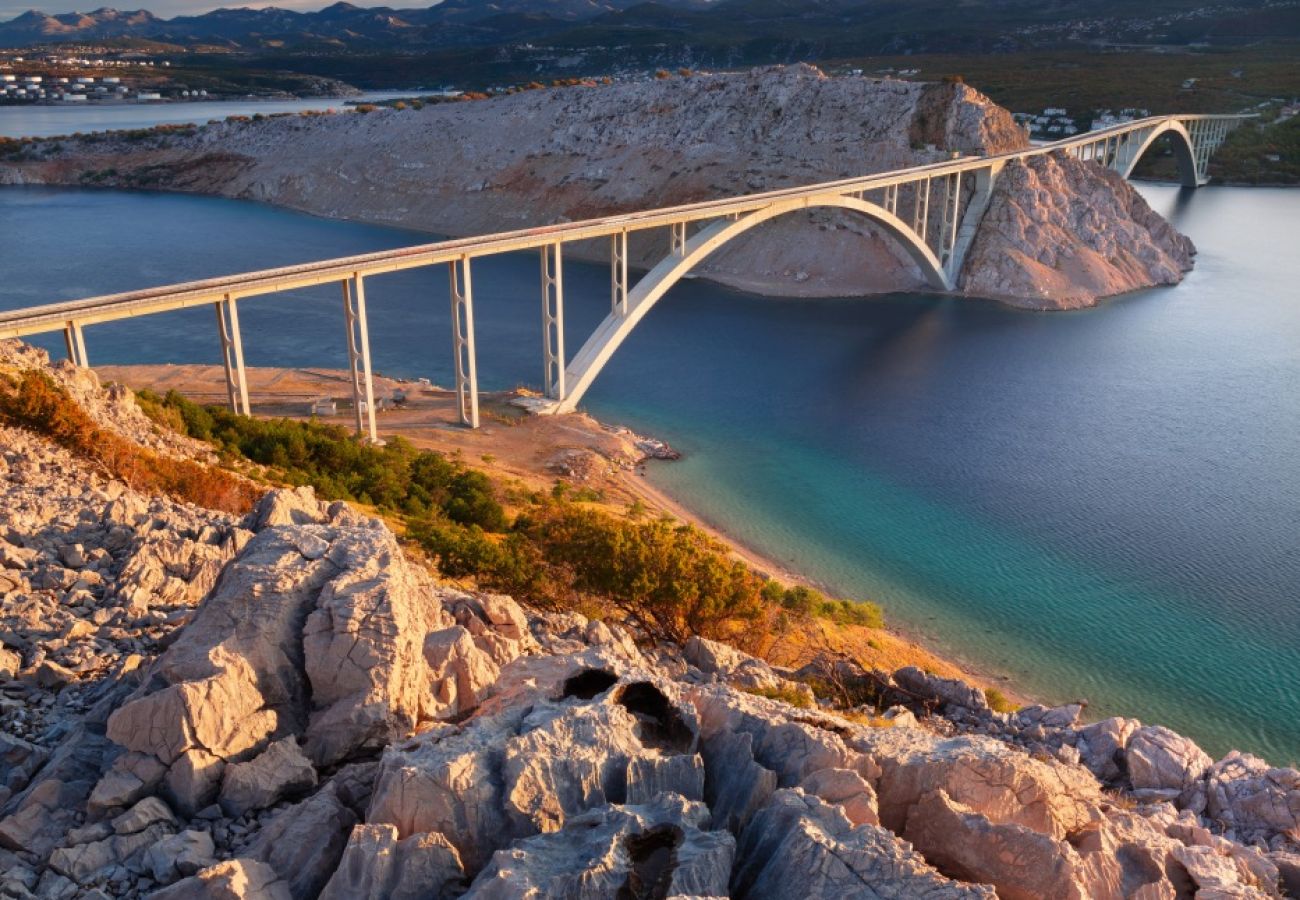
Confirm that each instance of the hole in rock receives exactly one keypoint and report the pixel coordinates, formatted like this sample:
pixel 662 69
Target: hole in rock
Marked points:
pixel 661 725
pixel 653 861
pixel 588 683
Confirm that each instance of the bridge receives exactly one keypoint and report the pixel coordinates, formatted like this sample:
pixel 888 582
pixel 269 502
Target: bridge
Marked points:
pixel 933 211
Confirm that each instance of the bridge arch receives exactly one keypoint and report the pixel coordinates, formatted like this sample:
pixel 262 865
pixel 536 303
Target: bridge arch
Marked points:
pixel 611 333
pixel 1181 140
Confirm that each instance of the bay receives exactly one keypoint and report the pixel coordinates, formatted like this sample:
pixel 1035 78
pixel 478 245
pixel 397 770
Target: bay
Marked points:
pixel 1102 504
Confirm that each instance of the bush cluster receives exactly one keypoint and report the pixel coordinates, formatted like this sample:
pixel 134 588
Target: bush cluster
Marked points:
pixel 395 477
pixel 35 402
pixel 671 580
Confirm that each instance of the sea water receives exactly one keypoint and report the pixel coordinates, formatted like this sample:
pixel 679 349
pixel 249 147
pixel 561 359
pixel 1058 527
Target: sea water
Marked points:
pixel 1102 504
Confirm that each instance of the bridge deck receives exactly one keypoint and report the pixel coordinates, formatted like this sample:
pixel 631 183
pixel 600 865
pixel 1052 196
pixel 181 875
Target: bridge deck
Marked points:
pixel 57 316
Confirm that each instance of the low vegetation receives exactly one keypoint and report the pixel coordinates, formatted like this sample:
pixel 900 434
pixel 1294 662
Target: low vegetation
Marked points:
pixel 784 694
pixel 32 400
pixel 998 701
pixel 554 550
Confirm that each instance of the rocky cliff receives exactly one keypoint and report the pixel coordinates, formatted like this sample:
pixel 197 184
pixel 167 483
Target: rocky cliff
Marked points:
pixel 545 156
pixel 284 705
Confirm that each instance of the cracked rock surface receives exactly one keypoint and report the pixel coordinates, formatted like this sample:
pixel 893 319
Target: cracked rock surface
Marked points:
pixel 317 716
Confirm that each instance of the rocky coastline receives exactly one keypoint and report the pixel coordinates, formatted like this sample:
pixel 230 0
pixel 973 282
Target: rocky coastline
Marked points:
pixel 1059 234
pixel 287 705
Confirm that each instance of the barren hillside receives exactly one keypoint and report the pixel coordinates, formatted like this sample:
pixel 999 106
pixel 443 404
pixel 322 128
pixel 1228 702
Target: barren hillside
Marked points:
pixel 544 156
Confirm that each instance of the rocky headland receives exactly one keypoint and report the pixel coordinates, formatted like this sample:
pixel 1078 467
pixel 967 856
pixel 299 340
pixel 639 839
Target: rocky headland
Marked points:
pixel 285 704
pixel 1058 234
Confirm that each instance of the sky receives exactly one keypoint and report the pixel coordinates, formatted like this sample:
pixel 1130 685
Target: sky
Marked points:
pixel 169 8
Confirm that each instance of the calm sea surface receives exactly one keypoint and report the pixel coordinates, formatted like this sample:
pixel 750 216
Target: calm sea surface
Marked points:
pixel 48 121
pixel 1100 504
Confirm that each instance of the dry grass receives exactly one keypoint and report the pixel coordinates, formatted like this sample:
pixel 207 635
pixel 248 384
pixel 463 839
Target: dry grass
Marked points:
pixel 33 401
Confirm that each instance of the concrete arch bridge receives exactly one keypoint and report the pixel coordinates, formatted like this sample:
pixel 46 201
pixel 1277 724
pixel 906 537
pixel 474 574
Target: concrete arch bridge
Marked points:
pixel 932 211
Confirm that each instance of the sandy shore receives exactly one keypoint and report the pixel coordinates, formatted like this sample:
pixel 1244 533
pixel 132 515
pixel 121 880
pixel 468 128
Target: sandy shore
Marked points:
pixel 534 451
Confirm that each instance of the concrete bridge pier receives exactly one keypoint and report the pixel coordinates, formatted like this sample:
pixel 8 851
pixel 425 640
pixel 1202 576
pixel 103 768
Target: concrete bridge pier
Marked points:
pixel 618 273
pixel 363 383
pixel 949 226
pixel 232 354
pixel 462 341
pixel 75 341
pixel 552 322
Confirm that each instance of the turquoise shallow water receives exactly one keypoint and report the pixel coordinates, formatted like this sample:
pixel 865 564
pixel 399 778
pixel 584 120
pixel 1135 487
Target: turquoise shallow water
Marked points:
pixel 1101 504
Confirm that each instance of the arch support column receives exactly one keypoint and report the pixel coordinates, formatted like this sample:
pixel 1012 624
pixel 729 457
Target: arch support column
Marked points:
pixel 462 341
pixel 232 354
pixel 618 273
pixel 611 333
pixel 75 341
pixel 363 382
pixel 553 322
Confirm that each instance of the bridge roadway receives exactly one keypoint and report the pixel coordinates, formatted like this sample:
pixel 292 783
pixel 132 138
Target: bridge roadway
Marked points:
pixel 901 202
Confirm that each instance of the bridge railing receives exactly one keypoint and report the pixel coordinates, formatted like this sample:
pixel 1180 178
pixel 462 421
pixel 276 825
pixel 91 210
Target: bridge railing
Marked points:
pixel 349 272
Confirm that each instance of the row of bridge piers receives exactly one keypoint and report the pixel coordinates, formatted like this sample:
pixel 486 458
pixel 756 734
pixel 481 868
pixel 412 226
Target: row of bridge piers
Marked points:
pixel 931 211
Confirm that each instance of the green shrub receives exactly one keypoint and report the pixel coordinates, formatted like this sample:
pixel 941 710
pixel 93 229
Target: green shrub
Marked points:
pixel 789 695
pixel 998 701
pixel 395 477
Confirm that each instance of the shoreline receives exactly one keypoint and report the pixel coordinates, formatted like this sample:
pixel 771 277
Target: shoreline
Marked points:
pixel 535 450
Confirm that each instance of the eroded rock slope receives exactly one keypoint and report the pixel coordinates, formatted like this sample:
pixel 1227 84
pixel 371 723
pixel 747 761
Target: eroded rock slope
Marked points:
pixel 286 706
pixel 546 156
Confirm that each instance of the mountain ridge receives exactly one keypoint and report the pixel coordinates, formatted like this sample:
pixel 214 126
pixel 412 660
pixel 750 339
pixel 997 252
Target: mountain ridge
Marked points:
pixel 875 25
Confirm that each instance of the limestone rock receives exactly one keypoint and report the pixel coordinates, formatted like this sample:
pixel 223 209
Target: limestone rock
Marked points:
pixel 1159 759
pixel 19 761
pixel 1255 800
pixel 289 507
pixel 791 747
pixel 1217 876
pixel 193 781
pixel 235 680
pixel 740 669
pixel 278 772
pixel 304 842
pixel 462 672
pixel 363 645
pixel 535 758
pixel 943 690
pixel 737 786
pixel 846 789
pixel 149 811
pixel 1059 233
pixel 131 777
pixel 655 849
pixel 446 781
pixel 10 664
pixel 179 856
pixel 235 879
pixel 1101 746
pixel 799 846
pixel 377 866
pixel 1021 863
pixel 1000 782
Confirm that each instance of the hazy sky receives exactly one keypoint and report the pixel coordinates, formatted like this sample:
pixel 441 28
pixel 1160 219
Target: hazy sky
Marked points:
pixel 169 8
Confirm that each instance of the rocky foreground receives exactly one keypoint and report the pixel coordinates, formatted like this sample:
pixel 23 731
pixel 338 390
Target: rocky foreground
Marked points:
pixel 1060 233
pixel 284 705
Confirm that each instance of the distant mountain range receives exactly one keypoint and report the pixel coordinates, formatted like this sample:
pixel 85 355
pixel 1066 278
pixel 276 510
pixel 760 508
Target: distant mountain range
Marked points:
pixel 707 32
pixel 466 20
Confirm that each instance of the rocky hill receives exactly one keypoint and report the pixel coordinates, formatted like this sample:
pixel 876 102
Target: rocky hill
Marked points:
pixel 285 705
pixel 1060 233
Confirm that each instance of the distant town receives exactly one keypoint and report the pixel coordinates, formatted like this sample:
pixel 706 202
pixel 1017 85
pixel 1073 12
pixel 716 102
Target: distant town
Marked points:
pixel 55 78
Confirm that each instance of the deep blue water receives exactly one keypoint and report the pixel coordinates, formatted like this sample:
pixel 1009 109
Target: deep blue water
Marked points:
pixel 1100 504
pixel 40 120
